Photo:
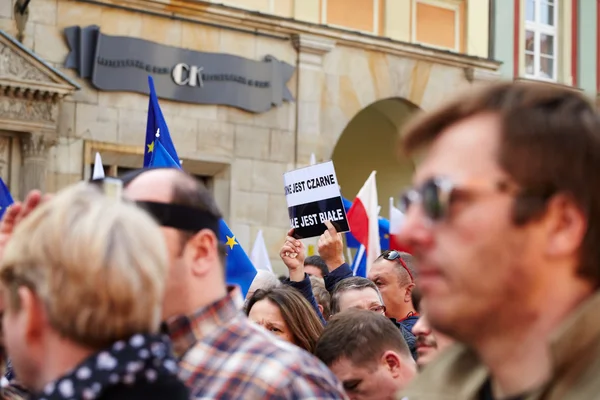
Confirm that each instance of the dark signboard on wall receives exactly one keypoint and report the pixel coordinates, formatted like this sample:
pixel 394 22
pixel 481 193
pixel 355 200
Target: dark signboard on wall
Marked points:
pixel 119 63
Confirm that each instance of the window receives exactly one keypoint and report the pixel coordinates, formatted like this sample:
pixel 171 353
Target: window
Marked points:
pixel 119 171
pixel 541 40
pixel 359 15
pixel 437 23
pixel 118 160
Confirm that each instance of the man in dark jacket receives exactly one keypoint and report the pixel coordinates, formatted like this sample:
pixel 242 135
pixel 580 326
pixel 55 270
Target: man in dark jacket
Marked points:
pixel 82 279
pixel 331 248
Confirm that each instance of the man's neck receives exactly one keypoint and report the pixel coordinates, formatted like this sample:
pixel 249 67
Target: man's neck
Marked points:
pixel 60 357
pixel 403 312
pixel 520 358
pixel 205 299
pixel 199 295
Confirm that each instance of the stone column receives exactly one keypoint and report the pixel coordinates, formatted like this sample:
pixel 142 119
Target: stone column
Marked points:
pixel 311 82
pixel 34 149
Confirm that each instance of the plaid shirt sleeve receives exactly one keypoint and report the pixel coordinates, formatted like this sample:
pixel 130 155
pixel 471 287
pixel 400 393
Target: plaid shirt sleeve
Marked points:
pixel 313 387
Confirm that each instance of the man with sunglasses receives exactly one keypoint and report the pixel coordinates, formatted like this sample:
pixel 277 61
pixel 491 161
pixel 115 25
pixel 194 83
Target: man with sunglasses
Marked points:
pixel 394 275
pixel 504 223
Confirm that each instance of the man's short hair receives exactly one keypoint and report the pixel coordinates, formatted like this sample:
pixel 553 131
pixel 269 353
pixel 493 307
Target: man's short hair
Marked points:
pixel 360 336
pixel 98 265
pixel 549 144
pixel 317 261
pixel 353 283
pixel 321 295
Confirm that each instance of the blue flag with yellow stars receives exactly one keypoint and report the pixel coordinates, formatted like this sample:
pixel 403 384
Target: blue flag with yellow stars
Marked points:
pixel 162 158
pixel 5 198
pixel 156 129
pixel 240 270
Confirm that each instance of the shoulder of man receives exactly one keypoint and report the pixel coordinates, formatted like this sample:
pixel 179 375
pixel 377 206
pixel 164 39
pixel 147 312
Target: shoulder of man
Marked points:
pixel 274 367
pixel 301 374
pixel 457 374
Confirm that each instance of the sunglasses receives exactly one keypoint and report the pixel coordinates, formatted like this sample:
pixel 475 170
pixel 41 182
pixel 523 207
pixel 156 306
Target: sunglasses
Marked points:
pixel 396 256
pixel 435 195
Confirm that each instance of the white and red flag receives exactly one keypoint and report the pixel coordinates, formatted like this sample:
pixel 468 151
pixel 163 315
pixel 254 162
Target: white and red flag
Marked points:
pixel 363 218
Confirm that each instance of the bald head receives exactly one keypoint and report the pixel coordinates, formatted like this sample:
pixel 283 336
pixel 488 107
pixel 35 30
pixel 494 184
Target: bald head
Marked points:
pixel 154 184
pixel 172 186
pixel 197 276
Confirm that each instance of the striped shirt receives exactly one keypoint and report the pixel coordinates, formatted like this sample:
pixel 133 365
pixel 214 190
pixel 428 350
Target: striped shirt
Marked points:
pixel 223 355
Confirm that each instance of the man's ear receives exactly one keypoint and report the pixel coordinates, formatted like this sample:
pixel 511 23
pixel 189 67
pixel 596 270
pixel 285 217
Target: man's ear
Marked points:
pixel 565 227
pixel 202 252
pixel 408 293
pixel 320 308
pixel 391 361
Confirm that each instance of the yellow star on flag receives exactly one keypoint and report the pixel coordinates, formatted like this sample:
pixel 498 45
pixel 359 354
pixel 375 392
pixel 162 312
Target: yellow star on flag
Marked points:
pixel 231 242
pixel 151 147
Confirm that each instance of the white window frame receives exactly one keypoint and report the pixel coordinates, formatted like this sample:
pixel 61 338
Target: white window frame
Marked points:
pixel 449 5
pixel 541 29
pixel 376 21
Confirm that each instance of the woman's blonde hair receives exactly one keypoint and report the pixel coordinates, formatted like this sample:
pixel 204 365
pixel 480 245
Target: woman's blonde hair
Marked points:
pixel 97 264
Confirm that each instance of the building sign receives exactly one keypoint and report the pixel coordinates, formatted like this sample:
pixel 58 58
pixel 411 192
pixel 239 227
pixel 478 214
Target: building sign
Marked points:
pixel 313 197
pixel 118 63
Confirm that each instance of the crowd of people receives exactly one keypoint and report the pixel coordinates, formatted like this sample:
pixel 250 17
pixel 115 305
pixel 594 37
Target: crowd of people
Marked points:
pixel 122 295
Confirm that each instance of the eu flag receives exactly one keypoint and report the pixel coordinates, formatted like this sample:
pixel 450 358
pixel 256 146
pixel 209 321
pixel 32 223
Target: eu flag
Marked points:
pixel 240 270
pixel 5 198
pixel 384 231
pixel 156 129
pixel 160 157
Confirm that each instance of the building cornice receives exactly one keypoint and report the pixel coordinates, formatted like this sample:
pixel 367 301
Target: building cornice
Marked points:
pixel 25 75
pixel 234 18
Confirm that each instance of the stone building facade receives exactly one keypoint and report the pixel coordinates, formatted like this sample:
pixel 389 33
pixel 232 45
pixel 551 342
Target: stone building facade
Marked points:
pixel 52 122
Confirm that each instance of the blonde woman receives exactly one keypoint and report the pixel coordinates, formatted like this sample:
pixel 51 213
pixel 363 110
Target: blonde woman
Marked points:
pixel 82 280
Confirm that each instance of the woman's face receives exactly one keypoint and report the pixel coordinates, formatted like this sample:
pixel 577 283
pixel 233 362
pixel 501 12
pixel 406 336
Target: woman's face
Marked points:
pixel 267 314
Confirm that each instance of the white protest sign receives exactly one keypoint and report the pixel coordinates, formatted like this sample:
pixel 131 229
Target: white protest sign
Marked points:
pixel 313 197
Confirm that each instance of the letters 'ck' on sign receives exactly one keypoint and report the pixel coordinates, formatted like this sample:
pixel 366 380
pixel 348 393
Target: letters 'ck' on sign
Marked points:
pixel 313 197
pixel 119 63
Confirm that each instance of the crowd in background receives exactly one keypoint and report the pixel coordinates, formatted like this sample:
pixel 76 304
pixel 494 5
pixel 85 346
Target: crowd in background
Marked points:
pixel 109 295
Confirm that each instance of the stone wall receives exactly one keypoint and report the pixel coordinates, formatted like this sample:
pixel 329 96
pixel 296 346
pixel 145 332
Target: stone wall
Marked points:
pixel 256 148
pixel 332 84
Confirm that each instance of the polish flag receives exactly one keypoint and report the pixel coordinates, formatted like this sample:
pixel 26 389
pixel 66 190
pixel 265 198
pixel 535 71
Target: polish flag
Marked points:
pixel 396 223
pixel 363 218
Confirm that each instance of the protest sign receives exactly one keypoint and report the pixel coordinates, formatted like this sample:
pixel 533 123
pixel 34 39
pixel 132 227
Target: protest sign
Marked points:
pixel 313 197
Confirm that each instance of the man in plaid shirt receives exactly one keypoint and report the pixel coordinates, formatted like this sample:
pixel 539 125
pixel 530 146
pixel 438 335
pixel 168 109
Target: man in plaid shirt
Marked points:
pixel 222 354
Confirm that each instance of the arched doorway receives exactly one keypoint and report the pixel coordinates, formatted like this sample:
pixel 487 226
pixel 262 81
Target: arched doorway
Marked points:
pixel 369 143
